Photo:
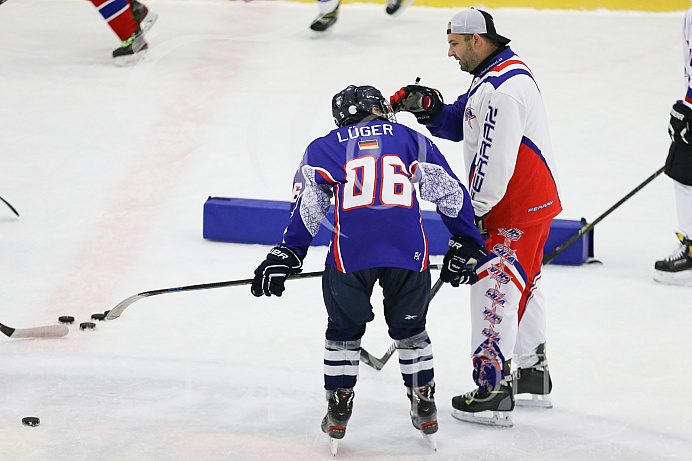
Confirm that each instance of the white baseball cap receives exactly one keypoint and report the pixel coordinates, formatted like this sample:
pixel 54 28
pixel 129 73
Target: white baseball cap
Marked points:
pixel 473 21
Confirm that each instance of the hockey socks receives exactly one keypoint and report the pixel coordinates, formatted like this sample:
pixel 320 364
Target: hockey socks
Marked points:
pixel 118 15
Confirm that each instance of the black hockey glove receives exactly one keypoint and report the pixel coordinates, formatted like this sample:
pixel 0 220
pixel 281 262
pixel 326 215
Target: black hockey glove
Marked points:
pixel 272 273
pixel 423 102
pixel 459 264
pixel 679 126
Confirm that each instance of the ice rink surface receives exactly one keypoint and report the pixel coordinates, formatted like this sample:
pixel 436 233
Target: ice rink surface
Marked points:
pixel 109 169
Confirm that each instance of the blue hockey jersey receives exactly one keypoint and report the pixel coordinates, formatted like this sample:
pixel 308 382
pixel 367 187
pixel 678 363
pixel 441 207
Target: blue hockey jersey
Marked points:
pixel 369 170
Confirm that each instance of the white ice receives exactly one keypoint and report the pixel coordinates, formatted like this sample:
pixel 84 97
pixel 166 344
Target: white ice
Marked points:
pixel 109 169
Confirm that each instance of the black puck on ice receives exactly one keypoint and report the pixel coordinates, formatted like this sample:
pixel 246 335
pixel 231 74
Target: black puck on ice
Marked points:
pixel 31 421
pixel 68 319
pixel 87 325
pixel 98 317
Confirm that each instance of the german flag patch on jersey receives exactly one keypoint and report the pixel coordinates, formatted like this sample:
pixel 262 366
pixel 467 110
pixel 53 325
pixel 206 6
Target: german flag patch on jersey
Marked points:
pixel 371 144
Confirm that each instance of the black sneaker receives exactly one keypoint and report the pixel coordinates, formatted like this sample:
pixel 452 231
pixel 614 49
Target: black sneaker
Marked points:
pixel 131 50
pixel 144 18
pixel 325 21
pixel 339 411
pixel 423 409
pixel 492 407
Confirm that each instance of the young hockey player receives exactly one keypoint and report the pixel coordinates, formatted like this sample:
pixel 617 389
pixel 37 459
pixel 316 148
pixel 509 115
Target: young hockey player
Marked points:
pixel 503 125
pixel 129 19
pixel 369 166
pixel 676 269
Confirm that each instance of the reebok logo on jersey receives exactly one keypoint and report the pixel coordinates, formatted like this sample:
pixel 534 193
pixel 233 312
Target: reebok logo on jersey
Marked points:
pixel 410 317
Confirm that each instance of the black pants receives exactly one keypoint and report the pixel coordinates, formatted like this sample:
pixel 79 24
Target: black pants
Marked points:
pixel 347 299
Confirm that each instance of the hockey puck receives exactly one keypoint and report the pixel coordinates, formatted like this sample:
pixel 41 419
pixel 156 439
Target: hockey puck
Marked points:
pixel 98 317
pixel 68 319
pixel 87 325
pixel 31 421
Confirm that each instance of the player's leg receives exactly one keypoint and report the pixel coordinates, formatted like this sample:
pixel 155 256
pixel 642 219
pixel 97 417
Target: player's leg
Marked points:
pixel 676 269
pixel 683 205
pixel 118 15
pixel 495 302
pixel 143 16
pixel 406 298
pixel 347 299
pixel 529 357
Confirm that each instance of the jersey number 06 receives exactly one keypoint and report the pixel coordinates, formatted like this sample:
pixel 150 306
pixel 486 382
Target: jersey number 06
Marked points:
pixel 362 176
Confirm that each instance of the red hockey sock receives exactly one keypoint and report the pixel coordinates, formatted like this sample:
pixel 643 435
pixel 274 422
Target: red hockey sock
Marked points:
pixel 118 15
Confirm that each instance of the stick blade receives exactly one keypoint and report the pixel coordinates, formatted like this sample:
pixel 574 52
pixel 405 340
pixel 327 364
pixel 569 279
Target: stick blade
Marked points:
pixel 51 331
pixel 122 305
pixel 369 360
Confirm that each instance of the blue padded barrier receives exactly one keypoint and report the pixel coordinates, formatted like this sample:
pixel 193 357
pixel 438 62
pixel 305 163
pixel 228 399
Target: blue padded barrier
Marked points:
pixel 241 220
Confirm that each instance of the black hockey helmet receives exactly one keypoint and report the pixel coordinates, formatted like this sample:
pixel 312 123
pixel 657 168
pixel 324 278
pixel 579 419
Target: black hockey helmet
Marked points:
pixel 355 104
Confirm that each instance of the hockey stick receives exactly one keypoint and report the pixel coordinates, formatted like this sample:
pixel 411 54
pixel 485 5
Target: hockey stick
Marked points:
pixel 122 305
pixel 51 331
pixel 6 202
pixel 376 363
pixel 548 258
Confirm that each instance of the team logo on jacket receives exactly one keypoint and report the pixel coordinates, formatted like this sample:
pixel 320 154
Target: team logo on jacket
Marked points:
pixel 370 144
pixel 468 115
pixel 498 274
pixel 492 317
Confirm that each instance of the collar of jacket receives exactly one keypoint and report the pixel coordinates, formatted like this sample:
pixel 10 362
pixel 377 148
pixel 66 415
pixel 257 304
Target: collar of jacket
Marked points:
pixel 501 54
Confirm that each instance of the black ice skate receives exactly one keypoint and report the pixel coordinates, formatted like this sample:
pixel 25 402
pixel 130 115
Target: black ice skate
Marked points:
pixel 676 269
pixel 339 410
pixel 144 18
pixel 131 50
pixel 395 7
pixel 325 21
pixel 487 407
pixel 424 413
pixel 535 381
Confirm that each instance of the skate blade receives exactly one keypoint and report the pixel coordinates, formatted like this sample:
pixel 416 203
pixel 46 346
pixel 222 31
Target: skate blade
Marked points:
pixel 432 441
pixel 488 418
pixel 682 278
pixel 130 59
pixel 536 401
pixel 333 445
pixel 316 34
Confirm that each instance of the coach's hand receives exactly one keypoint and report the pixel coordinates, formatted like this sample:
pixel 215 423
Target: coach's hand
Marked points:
pixel 423 102
pixel 459 264
pixel 272 273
